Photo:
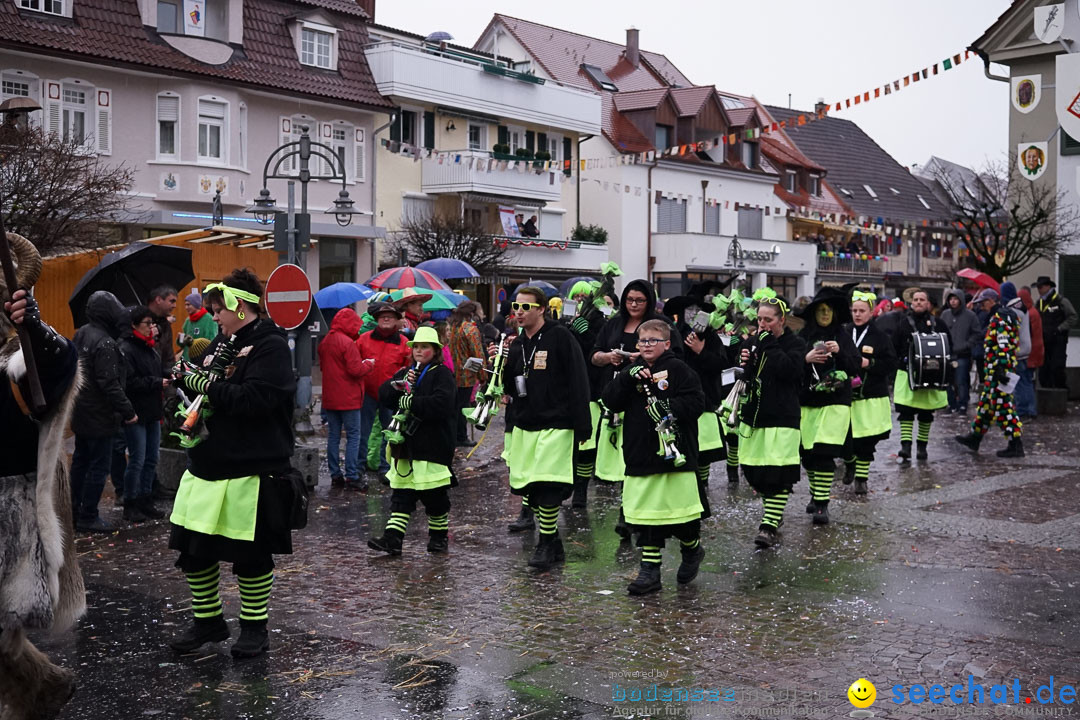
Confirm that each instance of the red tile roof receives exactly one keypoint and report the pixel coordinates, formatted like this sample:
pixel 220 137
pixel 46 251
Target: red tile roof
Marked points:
pixel 740 116
pixel 690 100
pixel 348 7
pixel 268 58
pixel 619 131
pixel 640 100
pixel 785 154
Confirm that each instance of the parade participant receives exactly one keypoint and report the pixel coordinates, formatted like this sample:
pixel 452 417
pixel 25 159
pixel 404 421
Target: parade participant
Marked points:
pixel 1024 397
pixel 420 466
pixel 585 325
pixel 660 493
pixel 411 305
pixel 40 583
pixel 871 419
pixel 616 345
pixel 995 400
pixel 233 503
pixel 1058 317
pixel 548 387
pixel 774 361
pixel 965 333
pixel 826 393
pixel 386 345
pixel 199 324
pixel 922 402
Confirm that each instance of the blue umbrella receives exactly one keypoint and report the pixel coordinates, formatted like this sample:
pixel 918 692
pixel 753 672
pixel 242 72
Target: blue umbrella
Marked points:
pixel 564 289
pixel 448 268
pixel 439 36
pixel 549 289
pixel 342 294
pixel 455 298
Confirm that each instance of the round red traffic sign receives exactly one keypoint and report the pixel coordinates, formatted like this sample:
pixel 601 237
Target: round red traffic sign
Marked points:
pixel 288 296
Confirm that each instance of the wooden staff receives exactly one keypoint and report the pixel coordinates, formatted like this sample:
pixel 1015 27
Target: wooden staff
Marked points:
pixel 37 397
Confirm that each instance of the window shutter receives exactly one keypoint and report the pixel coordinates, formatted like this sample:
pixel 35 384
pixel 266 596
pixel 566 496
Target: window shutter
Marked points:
pixel 504 135
pixel 168 108
pixel 567 149
pixel 104 122
pixel 712 219
pixel 285 125
pixel 325 135
pixel 52 107
pixel 358 167
pixel 530 141
pixel 541 142
pixel 429 130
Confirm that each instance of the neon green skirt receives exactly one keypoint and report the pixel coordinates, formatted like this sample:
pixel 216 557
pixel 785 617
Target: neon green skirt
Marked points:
pixel 918 399
pixel 610 464
pixel 541 456
pixel 871 417
pixel 417 474
pixel 506 448
pixel 708 432
pixel 594 413
pixel 661 499
pixel 825 425
pixel 768 446
pixel 217 507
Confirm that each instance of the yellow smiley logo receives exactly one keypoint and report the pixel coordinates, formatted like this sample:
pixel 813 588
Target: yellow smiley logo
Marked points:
pixel 862 693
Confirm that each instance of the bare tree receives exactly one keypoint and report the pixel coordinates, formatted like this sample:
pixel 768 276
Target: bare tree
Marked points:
pixel 57 194
pixel 1009 222
pixel 435 236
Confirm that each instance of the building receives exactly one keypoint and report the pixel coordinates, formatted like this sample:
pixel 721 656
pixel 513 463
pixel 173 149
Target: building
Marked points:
pixel 894 216
pixel 479 137
pixel 674 173
pixel 196 99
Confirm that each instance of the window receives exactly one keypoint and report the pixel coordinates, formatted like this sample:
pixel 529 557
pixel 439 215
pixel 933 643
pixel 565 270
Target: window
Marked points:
pixel 750 223
pixel 477 139
pixel 315 47
pixel 404 128
pixel 212 132
pixel 343 139
pixel 19 83
pixel 815 185
pixel 712 219
pixel 52 7
pixel 291 130
pixel 894 191
pixel 870 191
pixel 168 14
pixel 416 209
pixel 553 144
pixel 168 124
pixel 337 260
pixel 79 113
pixel 243 135
pixel 15 87
pixel 671 216
pixel 924 203
pixel 748 153
pixel 792 181
pixel 599 77
pixel 663 136
pixel 786 286
pixel 516 136
pixel 731 103
pixel 551 225
pixel 1069 146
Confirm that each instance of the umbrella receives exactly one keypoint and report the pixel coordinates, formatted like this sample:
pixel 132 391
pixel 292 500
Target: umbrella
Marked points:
pixel 439 36
pixel 406 277
pixel 979 278
pixel 448 268
pixel 564 289
pixel 131 274
pixel 342 294
pixel 549 289
pixel 440 299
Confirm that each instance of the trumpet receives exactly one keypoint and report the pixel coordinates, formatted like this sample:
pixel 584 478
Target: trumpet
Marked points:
pixel 402 423
pixel 730 408
pixel 665 429
pixel 487 399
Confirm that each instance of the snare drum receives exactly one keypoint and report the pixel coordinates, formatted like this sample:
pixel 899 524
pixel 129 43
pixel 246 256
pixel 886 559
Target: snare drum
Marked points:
pixel 928 361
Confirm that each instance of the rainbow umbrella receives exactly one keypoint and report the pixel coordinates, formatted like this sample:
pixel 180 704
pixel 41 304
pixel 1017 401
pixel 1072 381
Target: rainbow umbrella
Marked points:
pixel 440 299
pixel 406 277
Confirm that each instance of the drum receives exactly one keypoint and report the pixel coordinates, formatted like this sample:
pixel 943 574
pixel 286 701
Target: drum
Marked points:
pixel 928 361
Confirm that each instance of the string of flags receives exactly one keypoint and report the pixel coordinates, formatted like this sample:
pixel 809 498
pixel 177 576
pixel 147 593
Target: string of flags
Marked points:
pixel 896 85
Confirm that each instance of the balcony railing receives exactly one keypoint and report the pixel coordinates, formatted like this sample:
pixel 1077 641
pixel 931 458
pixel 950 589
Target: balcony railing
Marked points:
pixel 460 172
pixel 852 266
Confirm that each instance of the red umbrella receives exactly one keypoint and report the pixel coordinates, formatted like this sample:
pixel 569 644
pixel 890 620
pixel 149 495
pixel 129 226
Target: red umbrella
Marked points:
pixel 406 277
pixel 980 278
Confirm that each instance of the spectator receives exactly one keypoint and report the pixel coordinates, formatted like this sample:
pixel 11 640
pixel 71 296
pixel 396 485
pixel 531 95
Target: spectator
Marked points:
pixel 144 385
pixel 199 324
pixel 520 220
pixel 530 229
pixel 488 331
pixel 388 348
pixel 465 342
pixel 965 333
pixel 369 321
pixel 162 302
pixel 1026 406
pixel 1058 317
pixel 889 320
pixel 100 407
pixel 411 305
pixel 443 329
pixel 499 320
pixel 343 395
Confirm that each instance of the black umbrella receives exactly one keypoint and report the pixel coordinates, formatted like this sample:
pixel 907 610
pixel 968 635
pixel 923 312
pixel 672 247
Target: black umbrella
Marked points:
pixel 130 274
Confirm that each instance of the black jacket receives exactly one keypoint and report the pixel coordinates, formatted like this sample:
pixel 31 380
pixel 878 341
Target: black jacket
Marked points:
pixel 641 444
pixel 774 381
pixel 143 384
pixel 909 325
pixel 434 405
pixel 102 404
pixel 587 339
pixel 847 361
pixel 557 384
pixel 250 428
pixel 164 345
pixel 877 347
pixel 709 364
pixel 610 336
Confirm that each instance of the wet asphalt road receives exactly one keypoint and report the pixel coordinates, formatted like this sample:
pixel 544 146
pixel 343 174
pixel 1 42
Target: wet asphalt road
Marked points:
pixel 955 567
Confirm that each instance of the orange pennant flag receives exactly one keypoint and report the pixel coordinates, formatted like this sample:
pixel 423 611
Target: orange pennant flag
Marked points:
pixel 866 96
pixel 802 119
pixel 877 92
pixel 858 99
pixel 837 107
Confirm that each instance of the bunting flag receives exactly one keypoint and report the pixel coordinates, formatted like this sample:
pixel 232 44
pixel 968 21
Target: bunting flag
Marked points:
pixel 891 87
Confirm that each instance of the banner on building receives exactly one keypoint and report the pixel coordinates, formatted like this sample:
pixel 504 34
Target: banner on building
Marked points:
pixel 194 18
pixel 1031 159
pixel 509 222
pixel 1049 22
pixel 1067 93
pixel 1026 92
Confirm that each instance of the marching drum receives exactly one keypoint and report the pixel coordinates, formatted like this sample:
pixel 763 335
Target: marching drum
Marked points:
pixel 928 361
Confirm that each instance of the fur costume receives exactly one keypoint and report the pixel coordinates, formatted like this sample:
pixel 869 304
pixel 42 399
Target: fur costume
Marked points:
pixel 40 583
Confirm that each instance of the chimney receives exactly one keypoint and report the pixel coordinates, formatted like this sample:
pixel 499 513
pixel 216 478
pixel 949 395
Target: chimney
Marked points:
pixel 368 6
pixel 632 52
pixel 821 107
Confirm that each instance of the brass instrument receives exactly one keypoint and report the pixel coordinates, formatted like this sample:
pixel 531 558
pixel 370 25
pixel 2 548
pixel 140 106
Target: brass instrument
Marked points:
pixel 665 429
pixel 402 423
pixel 487 399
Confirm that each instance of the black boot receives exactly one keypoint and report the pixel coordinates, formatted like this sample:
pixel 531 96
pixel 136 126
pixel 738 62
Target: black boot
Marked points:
pixel 905 450
pixel 132 513
pixel 920 450
pixel 149 509
pixel 559 552
pixel 621 528
pixel 733 474
pixel 811 507
pixel 971 441
pixel 524 521
pixel 860 487
pixel 581 492
pixel 647 581
pixel 437 541
pixel 543 556
pixel 766 536
pixel 691 563
pixel 849 473
pixel 205 630
pixel 389 543
pixel 337 481
pixel 1015 449
pixel 821 512
pixel 254 640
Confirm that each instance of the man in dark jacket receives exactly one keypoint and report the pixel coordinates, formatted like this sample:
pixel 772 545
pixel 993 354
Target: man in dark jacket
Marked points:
pixel 101 407
pixel 162 302
pixel 343 369
pixel 965 333
pixel 1058 317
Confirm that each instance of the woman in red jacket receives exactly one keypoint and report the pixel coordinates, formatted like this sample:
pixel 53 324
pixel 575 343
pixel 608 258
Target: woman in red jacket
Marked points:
pixel 343 394
pixel 387 347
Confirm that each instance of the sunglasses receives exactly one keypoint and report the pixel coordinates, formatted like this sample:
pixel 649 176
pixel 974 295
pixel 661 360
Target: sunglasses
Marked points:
pixel 515 306
pixel 776 301
pixel 650 342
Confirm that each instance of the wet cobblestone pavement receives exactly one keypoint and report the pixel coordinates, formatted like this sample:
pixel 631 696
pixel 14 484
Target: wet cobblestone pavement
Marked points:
pixel 958 566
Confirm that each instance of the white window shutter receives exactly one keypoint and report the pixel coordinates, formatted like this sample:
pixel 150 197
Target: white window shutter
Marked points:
pixel 358 166
pixel 52 107
pixel 326 137
pixel 104 122
pixel 286 137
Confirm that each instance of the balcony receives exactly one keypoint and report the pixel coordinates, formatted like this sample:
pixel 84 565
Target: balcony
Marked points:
pixel 465 176
pixel 472 83
pixel 852 266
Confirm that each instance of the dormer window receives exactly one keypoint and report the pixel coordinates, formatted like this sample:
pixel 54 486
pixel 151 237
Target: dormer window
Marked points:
pixel 815 185
pixel 317 44
pixel 748 153
pixel 792 181
pixel 49 7
pixel 198 18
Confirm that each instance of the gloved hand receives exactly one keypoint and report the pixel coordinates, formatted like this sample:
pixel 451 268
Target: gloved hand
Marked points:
pixel 405 402
pixel 637 370
pixel 198 381
pixel 655 411
pixel 224 354
pixel 580 325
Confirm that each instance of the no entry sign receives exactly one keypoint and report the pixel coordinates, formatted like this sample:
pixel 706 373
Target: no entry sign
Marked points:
pixel 288 296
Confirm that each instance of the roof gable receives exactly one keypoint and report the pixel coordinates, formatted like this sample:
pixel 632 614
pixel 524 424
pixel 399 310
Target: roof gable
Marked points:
pixel 1012 36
